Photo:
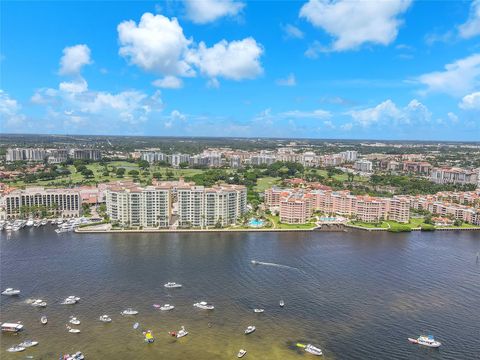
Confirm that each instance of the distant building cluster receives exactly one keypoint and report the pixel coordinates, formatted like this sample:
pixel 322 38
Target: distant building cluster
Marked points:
pixel 175 204
pixel 296 206
pixel 454 176
pixel 53 156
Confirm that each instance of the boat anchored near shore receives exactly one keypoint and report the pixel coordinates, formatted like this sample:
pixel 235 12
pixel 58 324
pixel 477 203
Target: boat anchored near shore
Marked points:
pixel 204 305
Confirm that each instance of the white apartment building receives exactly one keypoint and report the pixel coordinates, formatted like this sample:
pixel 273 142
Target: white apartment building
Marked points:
pixel 57 156
pixel 131 205
pixel 86 154
pixel 199 206
pixel 363 165
pixel 58 202
pixel 25 154
pixel 153 156
pixel 454 176
pixel 176 159
pixel 349 155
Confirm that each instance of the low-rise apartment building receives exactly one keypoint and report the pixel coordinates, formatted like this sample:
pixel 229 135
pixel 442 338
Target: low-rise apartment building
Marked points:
pixel 454 176
pixel 296 206
pixel 58 202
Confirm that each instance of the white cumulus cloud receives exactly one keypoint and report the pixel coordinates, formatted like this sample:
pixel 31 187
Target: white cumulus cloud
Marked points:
pixel 205 11
pixel 471 101
pixel 456 79
pixel 236 60
pixel 77 86
pixel 353 23
pixel 10 115
pixel 157 44
pixel 168 82
pixel 74 58
pixel 471 27
pixel 389 112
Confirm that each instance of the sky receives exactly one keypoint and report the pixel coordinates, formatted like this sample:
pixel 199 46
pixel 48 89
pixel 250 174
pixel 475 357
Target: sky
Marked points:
pixel 391 69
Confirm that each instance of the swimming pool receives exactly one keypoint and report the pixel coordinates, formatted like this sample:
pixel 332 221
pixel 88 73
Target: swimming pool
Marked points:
pixel 253 222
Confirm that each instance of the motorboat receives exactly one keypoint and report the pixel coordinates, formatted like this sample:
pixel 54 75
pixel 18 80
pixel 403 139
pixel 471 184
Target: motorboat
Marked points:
pixel 11 292
pixel 172 285
pixel 44 320
pixel 426 340
pixel 182 332
pixel 254 262
pixel 12 327
pixel 43 222
pixel 37 223
pixel 258 311
pixel 69 301
pixel 129 311
pixel 39 303
pixel 73 320
pixel 72 330
pixel 241 353
pixel 313 350
pixel 250 329
pixel 167 307
pixel 282 303
pixel 16 348
pixel 30 222
pixel 76 298
pixel 105 318
pixel 77 356
pixel 204 305
pixel 28 343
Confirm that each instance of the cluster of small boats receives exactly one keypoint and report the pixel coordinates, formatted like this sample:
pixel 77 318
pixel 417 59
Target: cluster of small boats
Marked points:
pixel 64 225
pixel 424 340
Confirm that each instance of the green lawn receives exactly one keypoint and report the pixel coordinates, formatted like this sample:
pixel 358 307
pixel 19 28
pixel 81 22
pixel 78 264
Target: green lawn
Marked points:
pixel 342 177
pixel 279 225
pixel 266 183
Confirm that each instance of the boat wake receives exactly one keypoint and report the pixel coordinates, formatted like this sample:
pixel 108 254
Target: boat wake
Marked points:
pixel 254 262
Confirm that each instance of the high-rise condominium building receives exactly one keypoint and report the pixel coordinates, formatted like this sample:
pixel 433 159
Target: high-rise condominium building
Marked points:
pixel 25 154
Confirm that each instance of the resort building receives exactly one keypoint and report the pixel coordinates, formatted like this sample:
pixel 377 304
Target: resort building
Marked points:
pixel 219 205
pixel 58 202
pixel 131 205
pixel 175 204
pixel 296 206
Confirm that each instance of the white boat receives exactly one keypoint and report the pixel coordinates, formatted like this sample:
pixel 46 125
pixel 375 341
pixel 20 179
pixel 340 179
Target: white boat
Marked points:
pixel 77 356
pixel 39 303
pixel 16 348
pixel 11 327
pixel 254 262
pixel 72 330
pixel 282 303
pixel 204 305
pixel 167 307
pixel 29 223
pixel 73 320
pixel 76 298
pixel 11 292
pixel 28 343
pixel 172 285
pixel 44 320
pixel 8 227
pixel 241 353
pixel 313 350
pixel 426 340
pixel 258 311
pixel 37 223
pixel 105 318
pixel 69 302
pixel 129 311
pixel 250 329
pixel 182 332
pixel 43 222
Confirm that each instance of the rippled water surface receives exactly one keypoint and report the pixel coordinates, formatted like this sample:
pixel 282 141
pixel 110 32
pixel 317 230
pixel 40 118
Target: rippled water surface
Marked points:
pixel 357 295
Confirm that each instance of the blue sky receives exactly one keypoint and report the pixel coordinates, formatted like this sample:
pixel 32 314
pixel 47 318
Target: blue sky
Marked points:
pixel 394 69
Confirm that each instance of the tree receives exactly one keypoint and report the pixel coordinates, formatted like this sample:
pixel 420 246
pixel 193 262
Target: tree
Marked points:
pixel 143 164
pixel 183 165
pixel 458 222
pixel 157 175
pixel 87 173
pixel 134 173
pixel 120 172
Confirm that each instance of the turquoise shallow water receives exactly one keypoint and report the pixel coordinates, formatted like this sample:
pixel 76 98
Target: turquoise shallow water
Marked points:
pixel 356 295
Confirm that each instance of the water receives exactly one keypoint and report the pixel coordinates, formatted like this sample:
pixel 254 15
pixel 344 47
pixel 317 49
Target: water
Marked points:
pixel 255 222
pixel 357 295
